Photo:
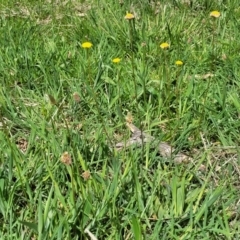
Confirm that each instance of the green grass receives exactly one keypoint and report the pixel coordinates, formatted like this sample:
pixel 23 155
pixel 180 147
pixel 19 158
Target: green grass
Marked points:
pixel 134 193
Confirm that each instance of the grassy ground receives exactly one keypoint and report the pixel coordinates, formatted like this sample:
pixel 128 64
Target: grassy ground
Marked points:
pixel 63 109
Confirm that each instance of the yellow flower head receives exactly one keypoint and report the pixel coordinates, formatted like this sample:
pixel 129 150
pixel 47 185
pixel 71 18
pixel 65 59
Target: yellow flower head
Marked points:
pixel 164 45
pixel 86 45
pixel 129 16
pixel 116 60
pixel 215 14
pixel 179 63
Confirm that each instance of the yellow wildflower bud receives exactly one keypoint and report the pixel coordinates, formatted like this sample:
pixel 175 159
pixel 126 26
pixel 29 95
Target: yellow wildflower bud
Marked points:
pixel 116 60
pixel 215 14
pixel 179 63
pixel 129 16
pixel 86 45
pixel 164 45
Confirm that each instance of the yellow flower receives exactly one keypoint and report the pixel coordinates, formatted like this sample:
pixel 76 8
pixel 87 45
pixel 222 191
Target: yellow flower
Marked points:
pixel 164 45
pixel 116 60
pixel 129 16
pixel 215 14
pixel 179 63
pixel 86 45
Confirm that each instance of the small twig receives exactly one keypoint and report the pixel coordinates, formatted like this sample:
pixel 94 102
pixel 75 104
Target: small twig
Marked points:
pixel 203 141
pixel 90 234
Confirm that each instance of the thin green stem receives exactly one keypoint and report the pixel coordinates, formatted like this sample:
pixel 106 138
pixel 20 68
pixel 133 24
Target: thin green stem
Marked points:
pixel 119 91
pixel 131 37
